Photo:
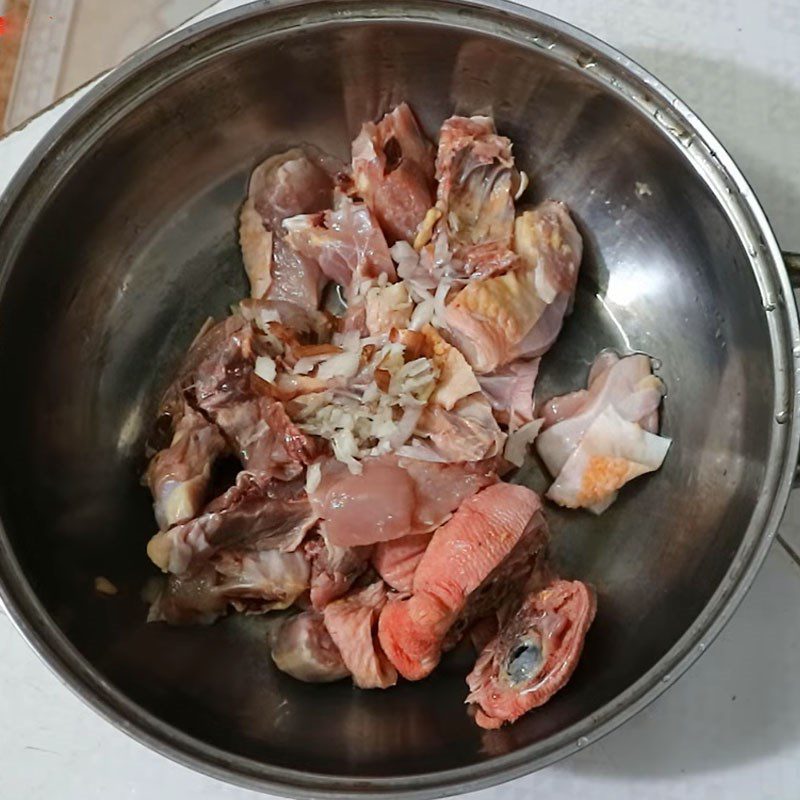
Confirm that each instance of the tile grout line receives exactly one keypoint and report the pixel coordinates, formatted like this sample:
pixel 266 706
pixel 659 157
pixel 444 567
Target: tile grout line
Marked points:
pixel 790 551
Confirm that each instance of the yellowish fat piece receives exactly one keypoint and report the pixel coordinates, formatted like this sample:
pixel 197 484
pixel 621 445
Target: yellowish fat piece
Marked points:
pixel 256 244
pixel 425 231
pixel 456 378
pixel 104 586
pixel 158 550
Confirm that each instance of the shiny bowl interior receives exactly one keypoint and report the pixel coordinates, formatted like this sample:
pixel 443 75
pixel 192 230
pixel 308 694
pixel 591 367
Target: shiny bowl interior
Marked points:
pixel 120 238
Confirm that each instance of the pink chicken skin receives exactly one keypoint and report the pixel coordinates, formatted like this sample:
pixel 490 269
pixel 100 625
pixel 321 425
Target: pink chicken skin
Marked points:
pixel 460 556
pixel 396 561
pixel 351 623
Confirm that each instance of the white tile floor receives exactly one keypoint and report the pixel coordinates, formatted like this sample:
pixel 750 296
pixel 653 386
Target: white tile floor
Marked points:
pixel 730 728
pixel 69 42
pixel 104 33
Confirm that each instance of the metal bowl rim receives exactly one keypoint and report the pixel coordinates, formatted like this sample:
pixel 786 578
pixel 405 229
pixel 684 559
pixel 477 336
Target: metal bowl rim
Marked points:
pixel 50 644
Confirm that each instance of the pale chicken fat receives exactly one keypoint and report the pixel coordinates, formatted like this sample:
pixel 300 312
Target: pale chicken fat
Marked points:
pixel 625 384
pixel 611 452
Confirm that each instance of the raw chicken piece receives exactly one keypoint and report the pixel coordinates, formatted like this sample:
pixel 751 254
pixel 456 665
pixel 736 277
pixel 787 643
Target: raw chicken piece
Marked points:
pixel 502 318
pixel 266 440
pixel 188 600
pixel 393 172
pixel 299 181
pixel 534 655
pixel 392 498
pixel 610 453
pixel 178 476
pixel 489 319
pixel 547 240
pixel 363 509
pixel 456 378
pixel 296 279
pixel 397 560
pixel 524 567
pixel 255 242
pixel 441 488
pixel 510 391
pixel 467 433
pixel 352 623
pixel 219 364
pixel 562 407
pixel 250 582
pixel 303 648
pixel 218 379
pixel 333 569
pixel 626 384
pixel 262 580
pixel 346 243
pixel 474 202
pixel 462 554
pixel 255 513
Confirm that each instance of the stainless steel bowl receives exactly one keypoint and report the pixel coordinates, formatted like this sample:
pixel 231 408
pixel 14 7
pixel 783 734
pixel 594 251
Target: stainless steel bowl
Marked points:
pixel 118 237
